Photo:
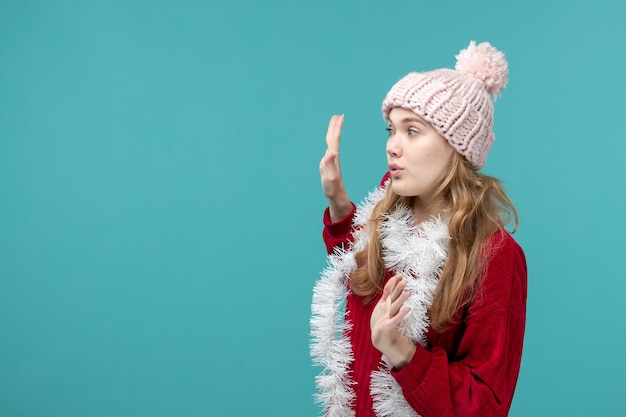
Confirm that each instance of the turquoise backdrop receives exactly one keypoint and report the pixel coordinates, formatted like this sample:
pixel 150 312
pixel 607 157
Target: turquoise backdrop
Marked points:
pixel 160 216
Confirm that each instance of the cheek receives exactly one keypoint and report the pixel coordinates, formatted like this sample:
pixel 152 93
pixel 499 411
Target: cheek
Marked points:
pixel 432 161
pixel 434 166
pixel 442 156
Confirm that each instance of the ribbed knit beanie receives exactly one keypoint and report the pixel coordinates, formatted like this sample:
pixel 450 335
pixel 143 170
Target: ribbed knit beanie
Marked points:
pixel 457 103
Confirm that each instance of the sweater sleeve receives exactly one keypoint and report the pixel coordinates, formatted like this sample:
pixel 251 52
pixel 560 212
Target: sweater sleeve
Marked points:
pixel 480 379
pixel 338 233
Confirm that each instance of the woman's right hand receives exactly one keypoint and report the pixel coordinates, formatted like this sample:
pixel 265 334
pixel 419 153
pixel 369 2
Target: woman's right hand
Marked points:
pixel 339 203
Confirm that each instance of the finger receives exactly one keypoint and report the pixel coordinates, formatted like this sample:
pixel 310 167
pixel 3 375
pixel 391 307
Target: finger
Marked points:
pixel 397 304
pixel 398 296
pixel 401 315
pixel 397 285
pixel 334 133
pixel 331 129
pixel 329 158
pixel 389 287
pixel 398 288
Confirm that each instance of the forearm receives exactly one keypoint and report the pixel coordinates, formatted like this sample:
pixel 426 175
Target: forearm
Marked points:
pixel 339 207
pixel 400 352
pixel 478 385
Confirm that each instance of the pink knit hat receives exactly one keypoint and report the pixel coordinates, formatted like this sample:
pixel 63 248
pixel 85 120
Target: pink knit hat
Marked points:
pixel 457 102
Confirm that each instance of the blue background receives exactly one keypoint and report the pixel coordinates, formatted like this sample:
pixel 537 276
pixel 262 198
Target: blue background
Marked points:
pixel 160 212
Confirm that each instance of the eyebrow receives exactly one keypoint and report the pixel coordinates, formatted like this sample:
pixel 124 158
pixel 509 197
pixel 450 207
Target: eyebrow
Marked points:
pixel 411 120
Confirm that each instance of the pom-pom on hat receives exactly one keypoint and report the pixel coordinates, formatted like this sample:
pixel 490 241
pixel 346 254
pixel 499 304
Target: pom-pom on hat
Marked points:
pixel 457 103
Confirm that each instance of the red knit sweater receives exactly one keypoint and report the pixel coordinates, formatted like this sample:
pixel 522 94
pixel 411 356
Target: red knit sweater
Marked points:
pixel 471 368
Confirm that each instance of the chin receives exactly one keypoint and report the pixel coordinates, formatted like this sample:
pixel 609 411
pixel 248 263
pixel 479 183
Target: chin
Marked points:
pixel 401 191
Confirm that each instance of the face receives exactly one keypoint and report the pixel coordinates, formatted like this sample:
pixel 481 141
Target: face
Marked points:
pixel 418 156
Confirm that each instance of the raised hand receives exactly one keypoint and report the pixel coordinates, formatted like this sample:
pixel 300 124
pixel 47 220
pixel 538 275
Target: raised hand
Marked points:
pixel 385 319
pixel 330 172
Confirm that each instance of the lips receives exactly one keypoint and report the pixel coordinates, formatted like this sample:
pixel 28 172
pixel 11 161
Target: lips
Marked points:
pixel 395 170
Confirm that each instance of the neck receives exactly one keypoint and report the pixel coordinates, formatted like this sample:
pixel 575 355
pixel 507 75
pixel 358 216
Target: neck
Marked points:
pixel 425 209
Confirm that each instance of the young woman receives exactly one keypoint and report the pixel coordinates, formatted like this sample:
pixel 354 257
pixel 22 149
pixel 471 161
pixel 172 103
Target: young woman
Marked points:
pixel 421 311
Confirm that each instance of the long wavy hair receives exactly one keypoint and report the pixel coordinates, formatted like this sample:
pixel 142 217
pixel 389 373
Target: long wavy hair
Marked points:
pixel 476 207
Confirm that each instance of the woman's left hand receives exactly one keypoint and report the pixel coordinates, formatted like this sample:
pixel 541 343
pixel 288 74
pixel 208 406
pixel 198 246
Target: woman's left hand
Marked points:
pixel 386 317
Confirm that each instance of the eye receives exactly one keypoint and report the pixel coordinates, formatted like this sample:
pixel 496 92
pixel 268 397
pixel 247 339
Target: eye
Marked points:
pixel 413 132
pixel 389 131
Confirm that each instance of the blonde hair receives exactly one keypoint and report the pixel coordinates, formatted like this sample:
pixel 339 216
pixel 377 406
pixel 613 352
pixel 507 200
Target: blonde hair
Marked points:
pixel 478 207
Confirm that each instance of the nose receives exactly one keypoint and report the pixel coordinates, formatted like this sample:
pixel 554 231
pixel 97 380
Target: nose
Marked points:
pixel 393 146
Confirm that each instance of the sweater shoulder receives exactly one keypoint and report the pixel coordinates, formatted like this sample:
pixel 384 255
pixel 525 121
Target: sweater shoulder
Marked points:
pixel 503 284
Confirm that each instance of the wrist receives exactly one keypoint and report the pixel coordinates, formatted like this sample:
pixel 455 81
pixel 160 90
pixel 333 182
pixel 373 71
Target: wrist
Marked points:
pixel 400 352
pixel 339 208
